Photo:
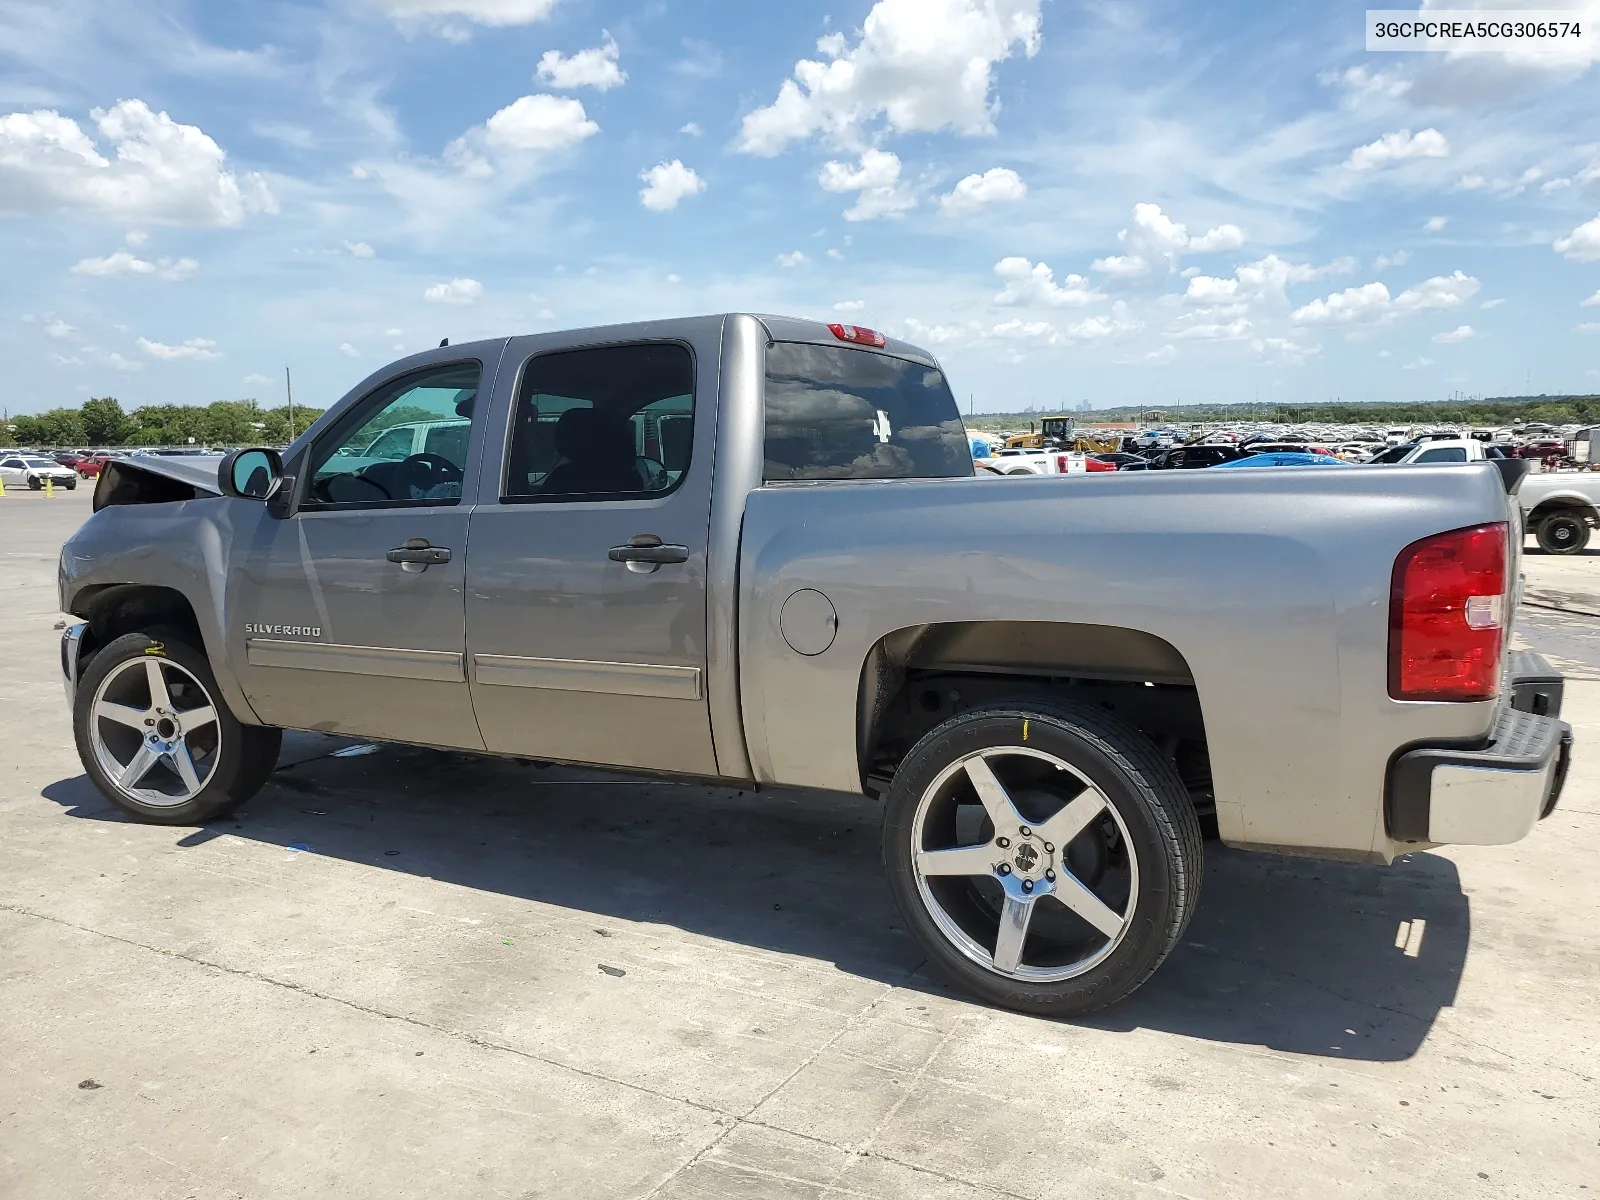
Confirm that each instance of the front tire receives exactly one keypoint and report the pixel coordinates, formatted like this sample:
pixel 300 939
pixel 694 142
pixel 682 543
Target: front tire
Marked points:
pixel 1563 533
pixel 156 737
pixel 1045 854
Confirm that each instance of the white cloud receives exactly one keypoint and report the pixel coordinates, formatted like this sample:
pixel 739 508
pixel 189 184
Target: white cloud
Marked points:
pixel 1154 242
pixel 849 306
pixel 1470 182
pixel 1416 364
pixel 1372 302
pixel 596 68
pixel 457 291
pixel 667 183
pixel 920 65
pixel 1398 259
pixel 1589 327
pixel 1495 303
pixel 136 237
pixel 1396 147
pixel 1290 352
pixel 1461 333
pixel 1434 224
pixel 793 258
pixel 998 185
pixel 1362 84
pixel 255 379
pixel 1216 331
pixel 349 351
pixel 1035 283
pixel 444 17
pixel 877 180
pixel 1592 302
pixel 123 364
pixel 58 329
pixel 1164 355
pixel 835 254
pixel 195 349
pixel 160 172
pixel 121 263
pixel 394 333
pixel 1265 281
pixel 1582 244
pixel 693 129
pixel 539 122
pixel 360 250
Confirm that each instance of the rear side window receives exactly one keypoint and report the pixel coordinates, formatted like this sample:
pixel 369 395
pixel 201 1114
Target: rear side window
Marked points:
pixel 605 423
pixel 834 412
pixel 1449 454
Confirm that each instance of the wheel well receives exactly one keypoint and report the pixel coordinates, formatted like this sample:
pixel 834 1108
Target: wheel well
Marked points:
pixel 131 608
pixel 917 678
pixel 1550 508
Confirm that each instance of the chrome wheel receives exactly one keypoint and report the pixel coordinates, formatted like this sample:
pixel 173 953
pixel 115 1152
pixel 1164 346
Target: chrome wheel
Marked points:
pixel 154 732
pixel 1024 864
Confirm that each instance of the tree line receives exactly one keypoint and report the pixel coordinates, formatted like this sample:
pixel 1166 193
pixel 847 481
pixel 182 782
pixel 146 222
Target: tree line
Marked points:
pixel 101 422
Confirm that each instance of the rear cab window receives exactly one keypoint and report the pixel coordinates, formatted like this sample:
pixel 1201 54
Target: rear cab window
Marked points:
pixel 837 412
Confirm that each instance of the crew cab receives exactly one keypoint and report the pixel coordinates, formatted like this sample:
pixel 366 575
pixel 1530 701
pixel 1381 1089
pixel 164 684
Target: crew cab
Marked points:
pixel 754 551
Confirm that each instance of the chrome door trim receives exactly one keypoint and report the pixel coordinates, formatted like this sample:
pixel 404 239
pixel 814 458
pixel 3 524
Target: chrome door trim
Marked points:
pixel 441 666
pixel 588 675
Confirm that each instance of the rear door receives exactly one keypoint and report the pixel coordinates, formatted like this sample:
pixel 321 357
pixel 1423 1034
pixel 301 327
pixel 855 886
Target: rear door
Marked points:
pixel 348 613
pixel 586 582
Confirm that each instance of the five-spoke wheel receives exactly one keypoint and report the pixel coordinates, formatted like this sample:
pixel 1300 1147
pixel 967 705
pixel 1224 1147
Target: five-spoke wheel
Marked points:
pixel 1052 862
pixel 155 731
pixel 1045 853
pixel 156 737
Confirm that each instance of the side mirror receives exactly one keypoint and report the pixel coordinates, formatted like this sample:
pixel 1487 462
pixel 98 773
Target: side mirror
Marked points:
pixel 251 474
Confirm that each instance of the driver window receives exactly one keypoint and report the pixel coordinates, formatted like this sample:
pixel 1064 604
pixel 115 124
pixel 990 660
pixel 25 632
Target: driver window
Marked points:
pixel 405 444
pixel 609 423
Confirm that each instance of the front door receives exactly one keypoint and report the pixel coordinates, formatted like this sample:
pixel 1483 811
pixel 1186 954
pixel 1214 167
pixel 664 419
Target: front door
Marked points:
pixel 347 616
pixel 586 585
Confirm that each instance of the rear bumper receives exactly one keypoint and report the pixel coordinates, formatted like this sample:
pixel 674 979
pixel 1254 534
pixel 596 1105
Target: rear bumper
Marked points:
pixel 1492 794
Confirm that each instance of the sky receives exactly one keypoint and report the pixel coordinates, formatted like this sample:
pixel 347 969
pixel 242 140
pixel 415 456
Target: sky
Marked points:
pixel 1117 202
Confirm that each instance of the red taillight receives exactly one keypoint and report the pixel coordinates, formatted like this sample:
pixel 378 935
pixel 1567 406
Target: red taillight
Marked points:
pixel 1447 616
pixel 859 334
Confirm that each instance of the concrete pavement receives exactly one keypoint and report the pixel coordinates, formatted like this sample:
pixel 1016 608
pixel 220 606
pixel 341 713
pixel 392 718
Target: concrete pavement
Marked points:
pixel 421 974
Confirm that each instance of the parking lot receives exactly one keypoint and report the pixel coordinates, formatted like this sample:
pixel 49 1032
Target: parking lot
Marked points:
pixel 411 973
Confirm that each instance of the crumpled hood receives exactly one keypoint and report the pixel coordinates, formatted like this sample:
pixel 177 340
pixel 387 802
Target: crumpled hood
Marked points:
pixel 197 470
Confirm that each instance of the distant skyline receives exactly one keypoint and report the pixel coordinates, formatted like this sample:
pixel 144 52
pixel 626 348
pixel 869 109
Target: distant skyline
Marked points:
pixel 1126 203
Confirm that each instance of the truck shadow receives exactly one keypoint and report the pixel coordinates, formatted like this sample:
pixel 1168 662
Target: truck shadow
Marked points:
pixel 1306 957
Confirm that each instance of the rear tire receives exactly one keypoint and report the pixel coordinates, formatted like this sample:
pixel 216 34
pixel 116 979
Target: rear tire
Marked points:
pixel 156 737
pixel 1563 532
pixel 1112 899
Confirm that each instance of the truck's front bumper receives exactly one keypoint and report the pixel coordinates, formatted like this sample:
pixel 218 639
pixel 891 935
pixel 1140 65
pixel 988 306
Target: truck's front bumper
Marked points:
pixel 71 656
pixel 1492 794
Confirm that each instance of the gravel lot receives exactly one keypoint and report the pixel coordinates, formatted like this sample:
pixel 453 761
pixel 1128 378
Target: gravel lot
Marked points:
pixel 421 974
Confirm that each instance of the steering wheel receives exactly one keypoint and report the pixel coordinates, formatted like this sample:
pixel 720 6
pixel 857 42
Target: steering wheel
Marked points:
pixel 426 471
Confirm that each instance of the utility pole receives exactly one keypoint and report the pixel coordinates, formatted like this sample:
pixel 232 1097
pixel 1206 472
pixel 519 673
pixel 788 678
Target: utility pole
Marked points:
pixel 288 388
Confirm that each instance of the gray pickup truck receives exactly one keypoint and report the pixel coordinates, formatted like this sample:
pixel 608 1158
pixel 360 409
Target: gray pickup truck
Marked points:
pixel 753 551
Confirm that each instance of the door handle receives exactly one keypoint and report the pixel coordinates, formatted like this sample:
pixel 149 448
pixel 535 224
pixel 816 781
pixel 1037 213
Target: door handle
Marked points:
pixel 645 552
pixel 417 555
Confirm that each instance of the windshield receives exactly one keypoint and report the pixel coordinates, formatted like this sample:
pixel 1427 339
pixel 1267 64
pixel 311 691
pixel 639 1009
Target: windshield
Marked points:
pixel 40 462
pixel 834 412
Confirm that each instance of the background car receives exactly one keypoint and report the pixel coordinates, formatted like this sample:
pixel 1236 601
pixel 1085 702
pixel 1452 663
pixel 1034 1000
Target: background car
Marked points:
pixel 31 470
pixel 1281 458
